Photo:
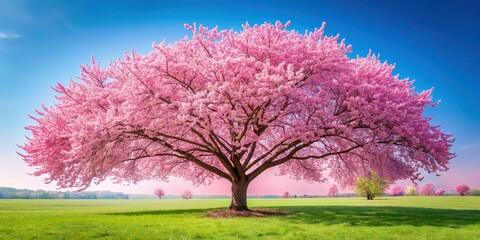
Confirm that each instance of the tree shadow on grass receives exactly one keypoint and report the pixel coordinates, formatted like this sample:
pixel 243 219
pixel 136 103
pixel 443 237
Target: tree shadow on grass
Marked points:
pixel 382 216
pixel 164 212
pixel 352 215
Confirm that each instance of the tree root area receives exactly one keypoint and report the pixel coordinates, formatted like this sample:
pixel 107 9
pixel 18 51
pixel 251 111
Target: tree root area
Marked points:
pixel 266 212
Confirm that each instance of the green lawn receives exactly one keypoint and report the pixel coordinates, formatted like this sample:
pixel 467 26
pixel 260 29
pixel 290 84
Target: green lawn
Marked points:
pixel 325 218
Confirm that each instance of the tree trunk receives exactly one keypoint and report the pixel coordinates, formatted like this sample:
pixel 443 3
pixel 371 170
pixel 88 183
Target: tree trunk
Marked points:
pixel 369 195
pixel 239 196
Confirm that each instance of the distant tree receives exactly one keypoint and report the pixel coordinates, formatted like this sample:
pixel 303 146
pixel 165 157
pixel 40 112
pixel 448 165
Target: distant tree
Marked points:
pixel 159 193
pixel 411 191
pixel 370 186
pixel 41 194
pixel 333 191
pixel 396 191
pixel 23 194
pixel 286 195
pixel 186 194
pixel 66 195
pixel 474 192
pixel 462 189
pixel 427 190
pixel 439 192
pixel 55 195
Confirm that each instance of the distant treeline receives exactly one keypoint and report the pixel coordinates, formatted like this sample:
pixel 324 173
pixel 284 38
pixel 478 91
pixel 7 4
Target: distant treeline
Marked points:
pixel 13 193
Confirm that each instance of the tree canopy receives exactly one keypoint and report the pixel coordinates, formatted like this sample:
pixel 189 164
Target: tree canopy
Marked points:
pixel 370 186
pixel 226 104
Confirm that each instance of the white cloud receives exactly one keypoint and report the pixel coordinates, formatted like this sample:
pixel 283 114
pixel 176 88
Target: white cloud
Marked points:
pixel 471 146
pixel 4 35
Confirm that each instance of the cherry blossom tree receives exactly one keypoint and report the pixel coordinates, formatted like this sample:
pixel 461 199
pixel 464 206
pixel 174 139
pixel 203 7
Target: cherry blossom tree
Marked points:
pixel 427 190
pixel 411 191
pixel 462 189
pixel 396 191
pixel 286 195
pixel 231 105
pixel 159 193
pixel 186 194
pixel 333 191
pixel 439 191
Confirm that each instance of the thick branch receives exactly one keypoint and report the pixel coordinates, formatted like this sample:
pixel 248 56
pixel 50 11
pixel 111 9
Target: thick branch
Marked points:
pixel 328 154
pixel 291 155
pixel 270 163
pixel 258 159
pixel 186 155
pixel 215 150
pixel 250 155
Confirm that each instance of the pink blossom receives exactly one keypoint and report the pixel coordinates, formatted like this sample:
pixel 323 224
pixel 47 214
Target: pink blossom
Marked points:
pixel 231 105
pixel 440 191
pixel 186 194
pixel 427 190
pixel 159 193
pixel 333 191
pixel 462 189
pixel 396 191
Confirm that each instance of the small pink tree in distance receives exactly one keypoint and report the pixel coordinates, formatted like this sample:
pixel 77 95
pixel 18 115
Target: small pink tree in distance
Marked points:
pixel 396 191
pixel 427 190
pixel 286 195
pixel 159 193
pixel 186 194
pixel 462 189
pixel 440 191
pixel 333 191
pixel 232 105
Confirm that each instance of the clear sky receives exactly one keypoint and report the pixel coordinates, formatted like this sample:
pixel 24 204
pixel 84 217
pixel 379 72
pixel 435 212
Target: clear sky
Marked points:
pixel 44 42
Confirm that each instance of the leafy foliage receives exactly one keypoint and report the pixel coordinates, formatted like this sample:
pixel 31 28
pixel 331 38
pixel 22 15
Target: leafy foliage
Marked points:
pixel 14 193
pixel 411 191
pixel 474 192
pixel 370 186
pixel 286 195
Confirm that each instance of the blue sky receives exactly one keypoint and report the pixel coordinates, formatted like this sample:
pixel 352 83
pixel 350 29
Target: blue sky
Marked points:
pixel 433 42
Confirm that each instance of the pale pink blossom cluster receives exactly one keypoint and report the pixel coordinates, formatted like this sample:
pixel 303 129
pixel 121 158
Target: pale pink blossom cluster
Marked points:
pixel 396 191
pixel 427 190
pixel 333 191
pixel 187 194
pixel 440 192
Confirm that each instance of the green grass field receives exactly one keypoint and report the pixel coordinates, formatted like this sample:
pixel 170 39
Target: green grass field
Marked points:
pixel 324 218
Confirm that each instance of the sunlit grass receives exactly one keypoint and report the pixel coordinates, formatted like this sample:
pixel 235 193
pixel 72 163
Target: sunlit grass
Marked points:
pixel 326 218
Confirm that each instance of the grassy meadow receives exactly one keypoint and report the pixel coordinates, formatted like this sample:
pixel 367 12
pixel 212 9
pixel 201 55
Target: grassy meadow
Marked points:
pixel 448 217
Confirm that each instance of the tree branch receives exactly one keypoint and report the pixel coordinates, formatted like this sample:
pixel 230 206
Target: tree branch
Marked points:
pixel 185 154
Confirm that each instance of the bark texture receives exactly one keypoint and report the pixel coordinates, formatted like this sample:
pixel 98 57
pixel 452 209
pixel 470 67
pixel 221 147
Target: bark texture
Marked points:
pixel 239 196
